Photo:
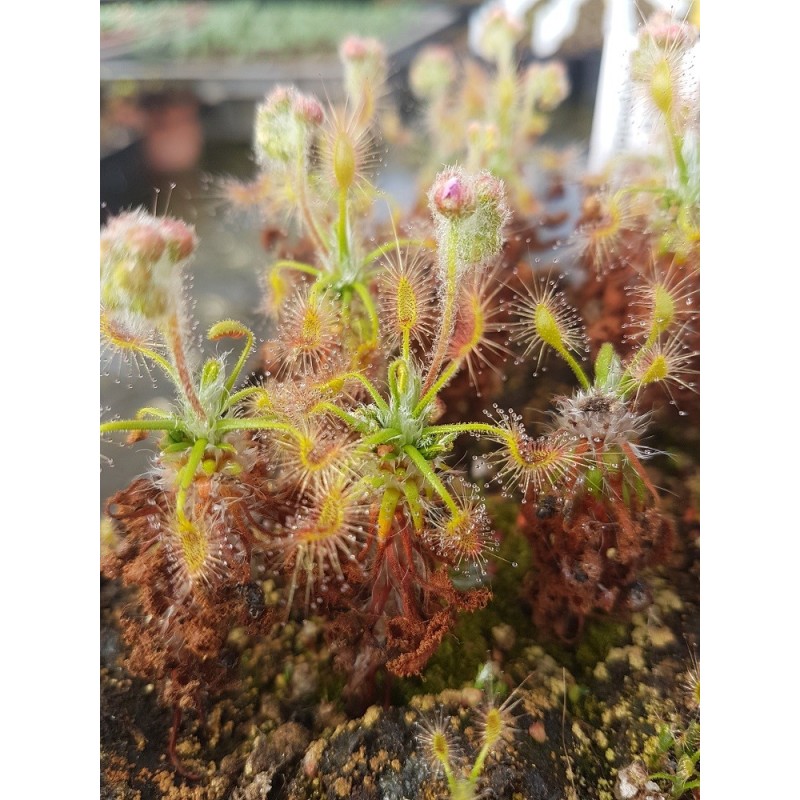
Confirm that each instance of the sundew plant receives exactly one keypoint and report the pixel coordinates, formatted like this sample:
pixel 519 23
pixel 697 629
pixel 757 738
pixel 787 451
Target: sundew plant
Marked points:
pixel 316 479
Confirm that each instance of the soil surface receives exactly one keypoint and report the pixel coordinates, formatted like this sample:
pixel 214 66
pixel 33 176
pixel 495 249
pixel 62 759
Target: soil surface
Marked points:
pixel 585 712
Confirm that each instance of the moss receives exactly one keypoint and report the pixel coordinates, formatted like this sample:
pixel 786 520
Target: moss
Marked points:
pixel 462 654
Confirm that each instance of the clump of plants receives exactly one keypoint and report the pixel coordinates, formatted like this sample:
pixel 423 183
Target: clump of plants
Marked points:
pixel 330 471
pixel 315 172
pixel 592 514
pixel 674 753
pixel 643 221
pixel 658 196
pixel 346 493
pixel 183 535
pixel 489 115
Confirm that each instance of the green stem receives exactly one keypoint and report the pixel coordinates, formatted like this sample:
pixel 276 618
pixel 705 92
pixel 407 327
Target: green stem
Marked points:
pixel 467 427
pixel 448 317
pixel 368 385
pixel 297 266
pixel 395 245
pixel 344 244
pixel 227 425
pixel 153 412
pixel 641 188
pixel 173 331
pixel 305 211
pixel 452 785
pixel 139 425
pixel 237 397
pixel 575 366
pixel 347 297
pixel 321 284
pixel 332 408
pixel 438 386
pixel 505 87
pixel 431 477
pixel 406 344
pixel 186 476
pixel 243 356
pixel 369 305
pixel 477 767
pixel 389 501
pixel 626 382
pixel 676 141
pixel 381 437
pixel 414 504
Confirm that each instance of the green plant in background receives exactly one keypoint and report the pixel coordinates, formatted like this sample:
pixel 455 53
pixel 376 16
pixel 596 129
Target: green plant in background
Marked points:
pixel 661 195
pixel 143 318
pixel 592 513
pixel 681 751
pixel 244 29
pixel 496 725
pixel 674 753
pixel 489 119
pixel 315 169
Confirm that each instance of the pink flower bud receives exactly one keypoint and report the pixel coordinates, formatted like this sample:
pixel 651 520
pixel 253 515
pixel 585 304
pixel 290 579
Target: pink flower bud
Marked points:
pixel 499 34
pixel 666 32
pixel 490 189
pixel 357 48
pixel 180 238
pixel 432 71
pixel 279 99
pixel 452 194
pixel 145 242
pixel 307 109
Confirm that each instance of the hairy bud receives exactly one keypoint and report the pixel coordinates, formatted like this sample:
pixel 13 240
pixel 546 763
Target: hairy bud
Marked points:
pixel 140 260
pixel 365 70
pixel 285 125
pixel 498 36
pixel 660 66
pixel 546 85
pixel 452 194
pixel 432 72
pixel 473 209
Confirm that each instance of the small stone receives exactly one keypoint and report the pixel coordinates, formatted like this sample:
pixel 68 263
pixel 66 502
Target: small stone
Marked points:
pixel 259 787
pixel 285 744
pixel 661 637
pixel 257 760
pixel 230 764
pixel 304 681
pixel 342 787
pixel 601 671
pixel 633 783
pixel 312 757
pixel 635 657
pixel 371 716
